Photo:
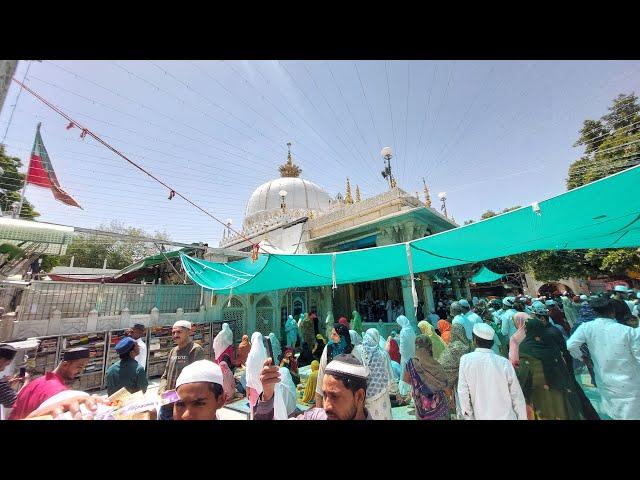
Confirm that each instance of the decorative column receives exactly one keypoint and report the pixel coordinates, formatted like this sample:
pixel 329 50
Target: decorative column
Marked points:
pixel 352 298
pixel 455 284
pixel 409 307
pixel 467 288
pixel 427 285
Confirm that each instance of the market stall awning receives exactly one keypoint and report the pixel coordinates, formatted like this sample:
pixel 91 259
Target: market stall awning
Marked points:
pixel 485 275
pixel 152 261
pixel 603 214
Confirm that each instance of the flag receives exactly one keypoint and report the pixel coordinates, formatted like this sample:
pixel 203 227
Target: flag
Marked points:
pixel 41 172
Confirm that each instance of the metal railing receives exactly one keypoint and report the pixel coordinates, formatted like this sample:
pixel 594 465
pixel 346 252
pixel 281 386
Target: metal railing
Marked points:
pixel 75 299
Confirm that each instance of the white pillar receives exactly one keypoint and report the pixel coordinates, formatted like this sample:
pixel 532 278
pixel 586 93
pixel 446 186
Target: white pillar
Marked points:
pixel 125 318
pixel 250 302
pixel 55 323
pixel 409 307
pixel 92 321
pixel 467 288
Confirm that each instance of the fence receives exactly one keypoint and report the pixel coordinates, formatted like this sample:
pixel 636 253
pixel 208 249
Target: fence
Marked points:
pixel 78 299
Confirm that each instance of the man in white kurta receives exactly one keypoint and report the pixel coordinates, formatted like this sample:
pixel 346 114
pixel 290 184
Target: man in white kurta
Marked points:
pixel 137 332
pixel 615 352
pixel 488 388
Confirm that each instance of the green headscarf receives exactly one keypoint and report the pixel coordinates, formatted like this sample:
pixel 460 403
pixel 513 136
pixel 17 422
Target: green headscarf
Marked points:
pixel 356 322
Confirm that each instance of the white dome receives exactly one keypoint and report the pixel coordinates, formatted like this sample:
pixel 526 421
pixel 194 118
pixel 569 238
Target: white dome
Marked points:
pixel 302 195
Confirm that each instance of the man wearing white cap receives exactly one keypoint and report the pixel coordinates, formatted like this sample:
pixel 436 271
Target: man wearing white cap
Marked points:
pixel 184 353
pixel 488 388
pixel 508 328
pixel 199 387
pixel 620 306
pixel 459 310
pixel 344 390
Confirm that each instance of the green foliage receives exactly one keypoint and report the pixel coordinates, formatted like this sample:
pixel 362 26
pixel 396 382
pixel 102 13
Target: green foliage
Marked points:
pixel 90 250
pixel 11 250
pixel 611 144
pixel 469 222
pixel 50 261
pixel 491 213
pixel 11 183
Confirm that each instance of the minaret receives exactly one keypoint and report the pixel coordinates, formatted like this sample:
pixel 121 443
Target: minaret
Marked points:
pixel 289 169
pixel 348 198
pixel 357 193
pixel 427 198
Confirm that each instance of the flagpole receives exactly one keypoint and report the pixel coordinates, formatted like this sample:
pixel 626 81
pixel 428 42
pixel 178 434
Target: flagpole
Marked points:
pixel 24 188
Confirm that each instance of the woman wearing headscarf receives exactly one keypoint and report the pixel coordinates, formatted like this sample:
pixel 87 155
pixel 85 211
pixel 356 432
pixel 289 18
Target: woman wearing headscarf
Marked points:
pixel 516 339
pixel 319 347
pixel 444 328
pixel 314 318
pixel 428 382
pixel 291 331
pixel 228 382
pixel 345 322
pixel 393 349
pixel 242 352
pixel 546 382
pixel 306 330
pixel 437 343
pixel 339 343
pixel 356 322
pixel 289 361
pixel 309 394
pixel 255 362
pixel 223 345
pixel 450 358
pixel 407 346
pixel 356 339
pixel 285 395
pixel 277 349
pixel 380 381
pixel 306 356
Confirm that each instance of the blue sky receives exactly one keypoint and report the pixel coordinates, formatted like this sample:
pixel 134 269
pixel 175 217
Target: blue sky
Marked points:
pixel 492 134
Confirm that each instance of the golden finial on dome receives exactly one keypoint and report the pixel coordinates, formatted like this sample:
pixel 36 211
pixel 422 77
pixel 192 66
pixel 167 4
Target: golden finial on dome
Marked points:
pixel 348 198
pixel 357 193
pixel 427 198
pixel 289 169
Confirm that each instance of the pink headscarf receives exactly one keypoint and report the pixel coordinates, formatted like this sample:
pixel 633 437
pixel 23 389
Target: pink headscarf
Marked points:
pixel 519 319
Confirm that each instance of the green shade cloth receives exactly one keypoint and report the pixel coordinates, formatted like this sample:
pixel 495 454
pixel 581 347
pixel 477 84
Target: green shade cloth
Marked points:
pixel 603 214
pixel 485 275
pixel 152 261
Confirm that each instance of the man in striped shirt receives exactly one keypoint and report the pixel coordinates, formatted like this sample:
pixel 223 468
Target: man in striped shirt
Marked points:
pixel 7 394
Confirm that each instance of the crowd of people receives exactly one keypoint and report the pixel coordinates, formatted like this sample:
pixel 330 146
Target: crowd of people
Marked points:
pixel 514 358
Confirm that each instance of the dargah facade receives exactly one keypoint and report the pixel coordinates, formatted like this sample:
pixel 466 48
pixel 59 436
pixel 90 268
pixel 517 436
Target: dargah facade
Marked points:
pixel 292 215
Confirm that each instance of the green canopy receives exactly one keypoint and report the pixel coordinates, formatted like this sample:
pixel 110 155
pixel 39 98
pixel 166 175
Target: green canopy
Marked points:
pixel 602 214
pixel 485 275
pixel 152 261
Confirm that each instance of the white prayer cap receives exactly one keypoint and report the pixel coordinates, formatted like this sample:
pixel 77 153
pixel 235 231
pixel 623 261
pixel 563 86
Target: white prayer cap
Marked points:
pixel 482 330
pixel 347 364
pixel 620 288
pixel 507 301
pixel 200 371
pixel 583 297
pixel 464 303
pixel 183 324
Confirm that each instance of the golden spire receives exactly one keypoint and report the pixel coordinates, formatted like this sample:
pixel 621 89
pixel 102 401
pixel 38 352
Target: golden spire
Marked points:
pixel 357 193
pixel 394 184
pixel 348 198
pixel 427 198
pixel 289 169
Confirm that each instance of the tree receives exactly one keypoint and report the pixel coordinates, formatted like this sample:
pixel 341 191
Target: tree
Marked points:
pixel 491 213
pixel 611 144
pixel 11 184
pixel 91 250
